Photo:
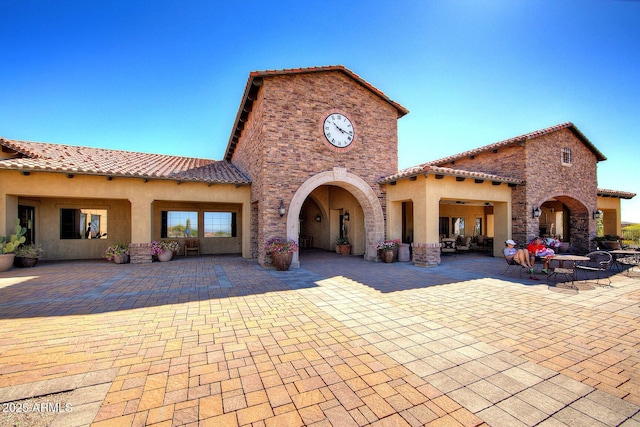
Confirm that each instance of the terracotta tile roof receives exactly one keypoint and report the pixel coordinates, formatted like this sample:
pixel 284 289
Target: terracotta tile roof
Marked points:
pixel 46 157
pixel 254 83
pixel 426 169
pixel 520 139
pixel 615 193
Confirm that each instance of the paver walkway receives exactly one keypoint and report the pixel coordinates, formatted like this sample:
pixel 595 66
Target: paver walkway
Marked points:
pixel 221 341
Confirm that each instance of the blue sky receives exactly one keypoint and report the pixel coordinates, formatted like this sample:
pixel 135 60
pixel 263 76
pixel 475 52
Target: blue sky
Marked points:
pixel 167 76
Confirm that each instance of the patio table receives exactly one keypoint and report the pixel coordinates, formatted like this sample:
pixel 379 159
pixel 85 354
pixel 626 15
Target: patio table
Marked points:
pixel 566 266
pixel 630 257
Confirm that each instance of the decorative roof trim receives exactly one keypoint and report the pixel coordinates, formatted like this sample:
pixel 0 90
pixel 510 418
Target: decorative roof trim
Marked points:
pixel 255 82
pixel 522 139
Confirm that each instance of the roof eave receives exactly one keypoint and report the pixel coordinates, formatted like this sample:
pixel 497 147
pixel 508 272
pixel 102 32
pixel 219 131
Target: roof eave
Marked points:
pixel 428 170
pixel 121 175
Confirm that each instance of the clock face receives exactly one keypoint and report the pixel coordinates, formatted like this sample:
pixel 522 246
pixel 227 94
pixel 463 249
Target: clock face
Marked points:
pixel 338 130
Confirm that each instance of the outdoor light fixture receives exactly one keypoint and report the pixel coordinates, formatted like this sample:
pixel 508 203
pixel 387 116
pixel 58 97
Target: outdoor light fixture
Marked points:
pixel 597 214
pixel 346 216
pixel 282 210
pixel 318 218
pixel 536 212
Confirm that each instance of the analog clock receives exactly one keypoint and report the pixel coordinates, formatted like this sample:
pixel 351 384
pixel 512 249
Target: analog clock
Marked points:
pixel 338 130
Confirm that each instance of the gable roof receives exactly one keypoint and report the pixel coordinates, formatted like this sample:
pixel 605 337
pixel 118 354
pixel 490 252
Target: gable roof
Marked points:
pixel 47 157
pixel 520 139
pixel 255 82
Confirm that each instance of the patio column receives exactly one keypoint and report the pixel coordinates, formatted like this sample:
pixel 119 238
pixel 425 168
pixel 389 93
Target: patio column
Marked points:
pixel 141 220
pixel 8 211
pixel 141 230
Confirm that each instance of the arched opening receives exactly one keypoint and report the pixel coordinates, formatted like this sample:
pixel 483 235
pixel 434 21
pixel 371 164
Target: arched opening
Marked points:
pixel 330 213
pixel 567 220
pixel 331 195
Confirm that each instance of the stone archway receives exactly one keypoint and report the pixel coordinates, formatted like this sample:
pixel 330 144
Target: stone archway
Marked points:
pixel 579 228
pixel 359 188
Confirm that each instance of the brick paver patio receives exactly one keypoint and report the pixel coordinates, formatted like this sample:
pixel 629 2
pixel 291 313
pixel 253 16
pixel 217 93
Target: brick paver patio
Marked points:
pixel 220 341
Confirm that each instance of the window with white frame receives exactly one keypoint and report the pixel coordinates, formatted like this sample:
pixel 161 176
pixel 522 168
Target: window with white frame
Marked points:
pixel 566 156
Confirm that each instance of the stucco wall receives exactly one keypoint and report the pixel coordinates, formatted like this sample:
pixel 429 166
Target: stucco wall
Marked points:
pixel 130 204
pixel 612 218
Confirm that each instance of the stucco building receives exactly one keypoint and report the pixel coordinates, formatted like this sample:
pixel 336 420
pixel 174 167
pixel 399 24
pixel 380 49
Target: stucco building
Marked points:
pixel 312 155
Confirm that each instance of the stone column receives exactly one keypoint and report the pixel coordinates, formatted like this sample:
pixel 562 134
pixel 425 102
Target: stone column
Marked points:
pixel 141 230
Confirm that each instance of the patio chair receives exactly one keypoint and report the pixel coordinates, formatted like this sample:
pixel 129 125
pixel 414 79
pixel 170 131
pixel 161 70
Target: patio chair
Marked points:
pixel 513 265
pixel 562 268
pixel 599 262
pixel 464 243
pixel 192 245
pixel 448 245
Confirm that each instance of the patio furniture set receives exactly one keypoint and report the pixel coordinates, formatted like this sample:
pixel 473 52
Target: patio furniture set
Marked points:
pixel 465 244
pixel 568 267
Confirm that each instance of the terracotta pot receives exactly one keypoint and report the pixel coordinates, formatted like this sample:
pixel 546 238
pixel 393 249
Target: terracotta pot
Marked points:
pixel 6 261
pixel 24 262
pixel 282 260
pixel 387 255
pixel 345 249
pixel 121 259
pixel 165 256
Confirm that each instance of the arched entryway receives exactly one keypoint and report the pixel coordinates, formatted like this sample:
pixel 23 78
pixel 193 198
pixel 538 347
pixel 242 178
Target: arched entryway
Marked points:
pixel 363 193
pixel 566 219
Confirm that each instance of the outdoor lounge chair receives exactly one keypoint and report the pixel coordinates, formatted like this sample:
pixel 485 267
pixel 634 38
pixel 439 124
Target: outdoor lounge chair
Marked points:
pixel 513 265
pixel 599 262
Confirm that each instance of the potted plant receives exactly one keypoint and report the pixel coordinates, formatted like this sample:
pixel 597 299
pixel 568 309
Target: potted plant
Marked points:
pixel 386 249
pixel 164 249
pixel 27 255
pixel 344 247
pixel 9 245
pixel 281 251
pixel 118 252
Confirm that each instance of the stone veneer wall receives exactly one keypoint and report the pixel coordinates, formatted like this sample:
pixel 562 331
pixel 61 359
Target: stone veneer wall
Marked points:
pixel 140 253
pixel 283 145
pixel 425 254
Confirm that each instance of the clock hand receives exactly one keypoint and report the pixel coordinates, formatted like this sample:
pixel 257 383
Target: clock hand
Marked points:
pixel 342 130
pixel 339 128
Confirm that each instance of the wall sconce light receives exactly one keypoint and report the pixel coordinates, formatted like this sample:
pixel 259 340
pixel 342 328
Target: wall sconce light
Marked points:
pixel 318 218
pixel 597 214
pixel 536 213
pixel 346 216
pixel 282 210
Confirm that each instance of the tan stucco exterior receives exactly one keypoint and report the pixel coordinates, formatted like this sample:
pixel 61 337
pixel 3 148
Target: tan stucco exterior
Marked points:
pixel 133 209
pixel 430 196
pixel 611 215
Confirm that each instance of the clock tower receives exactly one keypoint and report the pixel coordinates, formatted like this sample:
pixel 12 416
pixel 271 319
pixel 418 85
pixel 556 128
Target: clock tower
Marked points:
pixel 314 142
